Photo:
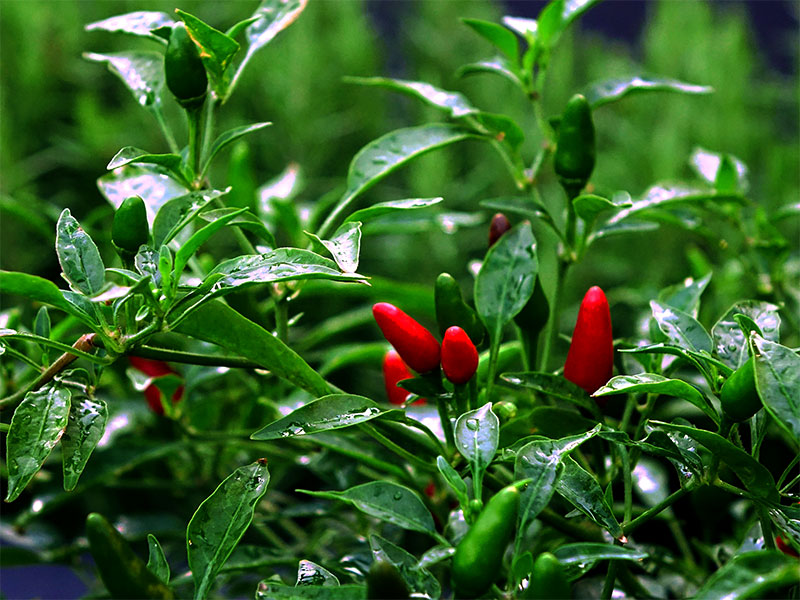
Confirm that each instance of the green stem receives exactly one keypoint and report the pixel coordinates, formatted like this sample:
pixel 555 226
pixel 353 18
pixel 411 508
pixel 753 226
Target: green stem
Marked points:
pixel 162 124
pixel 191 358
pixel 494 352
pixel 611 578
pixel 194 116
pixel 208 131
pixel 282 319
pixel 330 220
pixel 766 528
pixel 432 436
pixel 791 484
pixel 4 427
pixel 400 451
pixel 447 426
pixel 555 314
pixel 626 479
pixel 647 515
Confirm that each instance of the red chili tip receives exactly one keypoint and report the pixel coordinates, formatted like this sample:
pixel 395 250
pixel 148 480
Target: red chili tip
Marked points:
pixel 590 361
pixel 459 356
pixel 497 228
pixel 415 344
pixel 155 368
pixel 785 548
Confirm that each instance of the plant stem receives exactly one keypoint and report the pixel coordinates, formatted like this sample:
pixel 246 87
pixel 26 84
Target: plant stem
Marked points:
pixel 162 124
pixel 555 314
pixel 282 318
pixel 766 528
pixel 494 352
pixel 193 116
pixel 209 360
pixel 611 578
pixel 447 426
pixel 647 515
pixel 400 451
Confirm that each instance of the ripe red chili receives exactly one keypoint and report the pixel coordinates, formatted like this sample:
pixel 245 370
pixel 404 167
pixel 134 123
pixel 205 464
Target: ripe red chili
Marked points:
pixel 497 228
pixel 155 368
pixel 590 360
pixel 785 548
pixel 394 370
pixel 415 344
pixel 459 356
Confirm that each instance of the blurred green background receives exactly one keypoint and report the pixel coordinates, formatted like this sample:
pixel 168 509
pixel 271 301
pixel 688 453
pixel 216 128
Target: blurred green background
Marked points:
pixel 63 118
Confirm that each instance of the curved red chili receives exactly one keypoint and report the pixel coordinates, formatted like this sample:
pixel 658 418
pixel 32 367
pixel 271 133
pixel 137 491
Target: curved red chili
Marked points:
pixel 415 344
pixel 590 360
pixel 459 356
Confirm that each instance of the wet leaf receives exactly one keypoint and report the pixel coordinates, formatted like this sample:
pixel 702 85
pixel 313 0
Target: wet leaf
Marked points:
pixel 383 208
pixel 583 491
pixel 128 155
pixel 751 575
pixel 151 182
pixel 140 23
pixel 310 573
pixel 344 245
pixel 584 552
pixel 729 340
pixel 269 590
pixel 418 579
pixel 175 214
pixel 477 435
pixel 157 562
pixel 777 373
pixel 80 261
pixel 614 89
pixel 141 72
pixel 498 66
pixel 681 328
pixel 85 427
pixel 453 103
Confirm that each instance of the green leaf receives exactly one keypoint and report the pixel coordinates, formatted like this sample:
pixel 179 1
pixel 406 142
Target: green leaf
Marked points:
pixel 383 208
pixel 151 182
pixel 505 282
pixel 244 220
pixel 216 50
pixel 550 24
pixel 273 17
pixel 37 425
pixel 309 573
pixel 710 166
pixel 681 328
pixel 753 474
pixel 387 501
pixel 500 128
pixel 500 37
pixel 751 575
pixel 283 264
pixel 231 136
pixel 11 334
pixel 524 207
pixel 41 290
pixel 200 237
pixel 127 155
pixel 540 461
pixel 498 66
pixel 85 426
pixel 334 411
pixel 685 296
pixel 219 324
pixel 419 579
pixel 157 562
pixel 454 103
pixel 141 72
pixel 453 479
pixel 477 435
pixel 524 27
pixel 612 90
pixel 175 214
pixel 78 256
pixel 555 422
pixel 777 372
pixel 220 522
pixel 582 490
pixel 140 23
pixel 653 383
pixel 588 206
pixel 270 590
pixel 551 385
pixel 729 340
pixel 586 552
pixel 344 246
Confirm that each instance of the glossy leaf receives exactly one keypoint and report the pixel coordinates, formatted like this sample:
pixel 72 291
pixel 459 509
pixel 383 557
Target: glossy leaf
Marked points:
pixel 384 208
pixel 128 155
pixel 215 48
pixel 588 206
pixel 220 522
pixel 140 23
pixel 453 479
pixel 198 238
pixel 707 165
pixel 753 474
pixel 141 72
pixel 283 264
pixel 551 385
pixel 614 89
pixel 85 427
pixel 454 103
pixel 270 590
pixel 418 579
pixel 500 37
pixel 501 128
pixel 583 491
pixel 41 290
pixel 685 296
pixel 653 383
pixel 477 435
pixel 751 575
pixel 151 182
pixel 681 328
pixel 623 228
pixel 505 281
pixel 498 66
pixel 175 214
pixel 231 136
pixel 335 411
pixel 524 207
pixel 157 562
pixel 37 425
pixel 344 245
pixel 309 573
pixel 729 340
pixel 78 256
pixel 585 552
pixel 219 324
pixel 540 461
pixel 244 220
pixel 387 501
pixel 524 27
pixel 273 17
pixel 777 373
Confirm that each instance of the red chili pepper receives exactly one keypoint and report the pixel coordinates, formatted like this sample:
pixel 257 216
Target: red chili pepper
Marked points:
pixel 155 368
pixel 394 370
pixel 415 344
pixel 590 360
pixel 459 356
pixel 785 548
pixel 497 228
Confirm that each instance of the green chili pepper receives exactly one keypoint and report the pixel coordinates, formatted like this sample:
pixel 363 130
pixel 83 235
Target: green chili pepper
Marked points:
pixel 124 574
pixel 452 310
pixel 129 229
pixel 738 396
pixel 183 69
pixel 575 152
pixel 479 555
pixel 384 582
pixel 548 580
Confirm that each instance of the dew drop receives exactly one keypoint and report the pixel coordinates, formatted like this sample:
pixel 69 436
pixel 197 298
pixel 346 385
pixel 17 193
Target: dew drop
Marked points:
pixel 397 496
pixel 472 424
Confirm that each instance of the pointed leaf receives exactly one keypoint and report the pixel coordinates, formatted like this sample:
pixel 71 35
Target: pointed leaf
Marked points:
pixel 244 220
pixel 500 37
pixel 551 385
pixel 583 491
pixel 586 552
pixel 615 89
pixel 383 208
pixel 175 214
pixel 85 427
pixel 588 206
pixel 685 296
pixel 220 522
pixel 215 48
pixel 454 103
pixel 127 155
pixel 37 425
pixel 344 245
pixel 141 72
pixel 681 328
pixel 729 340
pixel 309 573
pixel 707 165
pixel 199 238
pixel 777 372
pixel 140 23
pixel 751 575
pixel 273 17
pixel 41 290
pixel 157 562
pixel 498 66
pixel 418 579
pixel 151 182
pixel 477 436
pixel 453 479
pixel 78 256
pixel 231 136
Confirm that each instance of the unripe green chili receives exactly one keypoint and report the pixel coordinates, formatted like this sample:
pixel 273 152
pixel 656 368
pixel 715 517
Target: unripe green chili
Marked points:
pixel 575 152
pixel 129 229
pixel 183 69
pixel 452 310
pixel 738 397
pixel 479 555
pixel 548 580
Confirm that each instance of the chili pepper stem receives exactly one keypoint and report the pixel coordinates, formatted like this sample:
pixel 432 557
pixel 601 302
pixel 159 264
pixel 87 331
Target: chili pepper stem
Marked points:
pixel 766 528
pixel 473 393
pixel 462 396
pixel 654 511
pixel 193 117
pixel 400 451
pixel 494 352
pixel 611 578
pixel 447 425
